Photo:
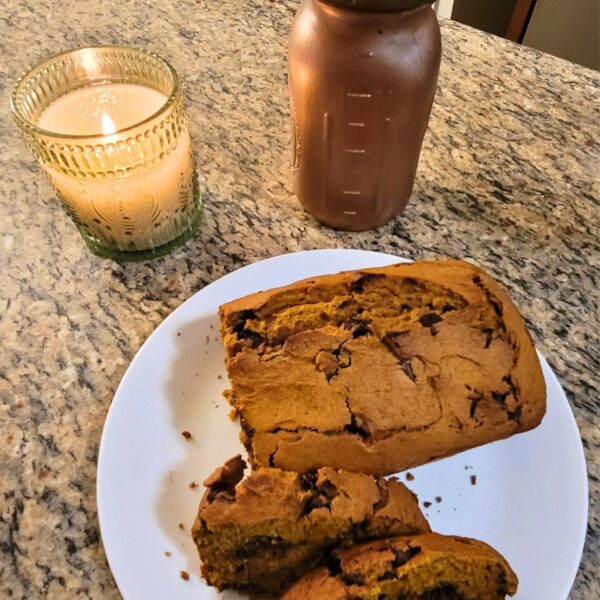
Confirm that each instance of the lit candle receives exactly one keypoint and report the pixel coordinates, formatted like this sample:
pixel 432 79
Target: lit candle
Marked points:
pixel 108 126
pixel 135 209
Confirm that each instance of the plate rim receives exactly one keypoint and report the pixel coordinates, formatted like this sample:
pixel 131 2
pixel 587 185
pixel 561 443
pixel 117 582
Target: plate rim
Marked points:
pixel 102 517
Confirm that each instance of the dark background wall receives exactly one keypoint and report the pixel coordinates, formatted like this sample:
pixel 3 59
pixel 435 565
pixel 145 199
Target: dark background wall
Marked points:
pixel 569 29
pixel 487 15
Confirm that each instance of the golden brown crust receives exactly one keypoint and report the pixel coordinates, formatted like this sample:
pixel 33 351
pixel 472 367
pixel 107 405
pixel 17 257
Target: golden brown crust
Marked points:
pixel 262 533
pixel 381 369
pixel 528 371
pixel 429 565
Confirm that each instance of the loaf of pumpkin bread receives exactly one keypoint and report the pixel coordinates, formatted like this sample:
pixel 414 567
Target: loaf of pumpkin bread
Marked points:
pixel 381 369
pixel 261 533
pixel 422 567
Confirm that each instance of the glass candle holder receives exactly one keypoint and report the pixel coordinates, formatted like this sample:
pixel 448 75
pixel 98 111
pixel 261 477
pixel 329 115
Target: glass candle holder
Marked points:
pixel 108 126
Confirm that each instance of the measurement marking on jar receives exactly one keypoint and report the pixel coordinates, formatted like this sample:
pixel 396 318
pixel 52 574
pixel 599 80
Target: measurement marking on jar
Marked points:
pixel 355 150
pixel 354 95
pixel 351 193
pixel 327 155
pixel 351 124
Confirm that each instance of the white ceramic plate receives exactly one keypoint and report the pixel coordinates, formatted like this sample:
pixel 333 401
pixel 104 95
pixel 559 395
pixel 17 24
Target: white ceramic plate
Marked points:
pixel 529 501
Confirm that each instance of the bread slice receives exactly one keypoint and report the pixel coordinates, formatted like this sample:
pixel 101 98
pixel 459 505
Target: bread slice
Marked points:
pixel 260 534
pixel 381 369
pixel 422 567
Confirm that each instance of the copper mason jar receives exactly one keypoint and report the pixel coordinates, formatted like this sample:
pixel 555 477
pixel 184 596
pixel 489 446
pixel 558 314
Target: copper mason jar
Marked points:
pixel 362 77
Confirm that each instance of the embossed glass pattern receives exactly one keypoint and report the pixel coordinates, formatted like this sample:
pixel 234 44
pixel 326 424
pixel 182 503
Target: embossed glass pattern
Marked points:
pixel 133 193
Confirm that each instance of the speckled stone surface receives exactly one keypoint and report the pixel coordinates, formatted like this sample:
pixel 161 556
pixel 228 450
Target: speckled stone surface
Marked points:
pixel 508 178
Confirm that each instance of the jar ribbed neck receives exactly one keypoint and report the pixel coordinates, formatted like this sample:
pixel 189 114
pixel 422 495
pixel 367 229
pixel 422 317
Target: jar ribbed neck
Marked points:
pixel 379 5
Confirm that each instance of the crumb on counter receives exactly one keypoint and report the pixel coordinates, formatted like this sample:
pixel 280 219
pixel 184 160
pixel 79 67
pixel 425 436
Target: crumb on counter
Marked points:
pixel 184 575
pixel 181 526
pixel 438 499
pixel 473 479
pixel 187 435
pixel 219 376
pixel 426 504
pixel 409 477
pixel 167 553
pixel 193 485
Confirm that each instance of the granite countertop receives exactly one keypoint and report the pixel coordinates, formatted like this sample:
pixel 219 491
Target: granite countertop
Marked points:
pixel 508 178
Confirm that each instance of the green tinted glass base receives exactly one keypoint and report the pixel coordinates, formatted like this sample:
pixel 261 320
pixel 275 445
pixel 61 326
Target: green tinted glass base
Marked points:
pixel 140 255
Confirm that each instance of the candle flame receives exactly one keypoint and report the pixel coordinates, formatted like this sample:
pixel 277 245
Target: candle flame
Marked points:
pixel 108 125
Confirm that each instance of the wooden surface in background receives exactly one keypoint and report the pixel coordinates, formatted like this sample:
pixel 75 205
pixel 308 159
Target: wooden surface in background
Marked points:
pixel 518 22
